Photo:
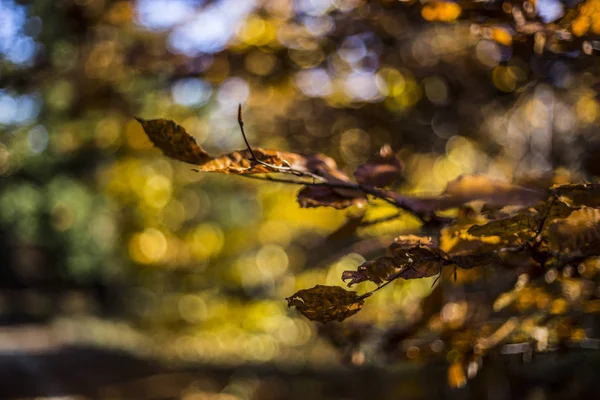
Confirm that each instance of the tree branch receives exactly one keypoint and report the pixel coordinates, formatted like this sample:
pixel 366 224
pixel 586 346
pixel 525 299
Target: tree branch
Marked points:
pixel 390 197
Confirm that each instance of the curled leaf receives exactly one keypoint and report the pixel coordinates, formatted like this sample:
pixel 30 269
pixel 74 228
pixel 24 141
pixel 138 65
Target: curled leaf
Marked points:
pixel 388 268
pixel 328 195
pixel 176 143
pixel 382 170
pixel 415 249
pixel 326 303
pixel 421 261
pixel 322 195
pixel 377 271
pixel 318 164
pixel 412 257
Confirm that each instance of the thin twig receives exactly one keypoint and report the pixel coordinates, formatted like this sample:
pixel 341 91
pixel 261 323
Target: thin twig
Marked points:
pixel 389 198
pixel 437 278
pixel 276 168
pixel 381 219
pixel 241 122
pixel 338 185
pixel 369 294
pixel 380 194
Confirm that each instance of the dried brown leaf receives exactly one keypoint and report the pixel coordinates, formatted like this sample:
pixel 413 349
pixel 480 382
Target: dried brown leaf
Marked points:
pixel 326 303
pixel 415 249
pixel 174 141
pixel 412 257
pixel 318 164
pixel 388 268
pixel 382 170
pixel 327 195
pixel 420 261
pixel 377 271
pixel 323 195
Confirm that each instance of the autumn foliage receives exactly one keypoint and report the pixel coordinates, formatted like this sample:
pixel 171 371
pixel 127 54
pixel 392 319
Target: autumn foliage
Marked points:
pixel 532 232
pixel 524 253
pixel 441 156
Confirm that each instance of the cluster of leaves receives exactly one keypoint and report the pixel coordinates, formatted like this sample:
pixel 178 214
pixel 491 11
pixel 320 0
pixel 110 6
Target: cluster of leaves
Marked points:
pixel 517 227
pixel 551 244
pixel 534 232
